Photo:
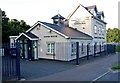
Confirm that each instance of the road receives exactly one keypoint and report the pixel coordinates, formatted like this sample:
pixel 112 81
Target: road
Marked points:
pixel 86 71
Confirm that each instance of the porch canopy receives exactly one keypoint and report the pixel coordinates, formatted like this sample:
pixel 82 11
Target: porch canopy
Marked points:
pixel 28 35
pixel 28 45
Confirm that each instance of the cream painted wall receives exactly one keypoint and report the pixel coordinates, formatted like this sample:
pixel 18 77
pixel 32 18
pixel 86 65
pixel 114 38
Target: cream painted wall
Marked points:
pixel 99 34
pixel 85 42
pixel 41 32
pixel 86 27
pixel 81 20
pixel 63 46
pixel 81 15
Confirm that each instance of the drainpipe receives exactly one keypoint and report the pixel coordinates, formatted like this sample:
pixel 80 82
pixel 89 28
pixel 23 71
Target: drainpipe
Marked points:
pixel 18 60
pixel 77 53
pixel 69 49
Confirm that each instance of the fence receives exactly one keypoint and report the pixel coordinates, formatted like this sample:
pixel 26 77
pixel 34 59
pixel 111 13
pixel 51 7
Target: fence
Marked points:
pixel 94 50
pixel 111 48
pixel 67 51
pixel 10 63
pixel 2 52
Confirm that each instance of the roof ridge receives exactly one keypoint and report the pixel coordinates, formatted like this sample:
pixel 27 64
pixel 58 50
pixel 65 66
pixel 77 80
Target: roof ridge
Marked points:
pixel 58 16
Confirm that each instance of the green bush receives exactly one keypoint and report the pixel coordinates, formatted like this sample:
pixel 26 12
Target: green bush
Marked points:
pixel 118 48
pixel 117 67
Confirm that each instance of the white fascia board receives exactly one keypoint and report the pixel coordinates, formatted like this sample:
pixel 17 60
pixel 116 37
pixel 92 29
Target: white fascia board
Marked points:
pixel 34 39
pixel 26 36
pixel 13 36
pixel 81 38
pixel 18 36
pixel 54 30
pixel 29 37
pixel 33 26
pixel 46 27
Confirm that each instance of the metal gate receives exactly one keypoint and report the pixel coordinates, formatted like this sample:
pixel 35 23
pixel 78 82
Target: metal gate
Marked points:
pixel 11 63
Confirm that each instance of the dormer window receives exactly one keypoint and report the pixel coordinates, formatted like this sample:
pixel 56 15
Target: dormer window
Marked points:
pixel 100 15
pixel 102 18
pixel 94 13
pixel 92 9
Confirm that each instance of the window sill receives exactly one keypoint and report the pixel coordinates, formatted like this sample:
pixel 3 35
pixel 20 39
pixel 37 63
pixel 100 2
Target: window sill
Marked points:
pixel 82 52
pixel 73 54
pixel 50 54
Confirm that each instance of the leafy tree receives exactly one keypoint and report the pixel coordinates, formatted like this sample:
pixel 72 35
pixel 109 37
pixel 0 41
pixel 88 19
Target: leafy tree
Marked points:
pixel 5 27
pixel 12 27
pixel 113 35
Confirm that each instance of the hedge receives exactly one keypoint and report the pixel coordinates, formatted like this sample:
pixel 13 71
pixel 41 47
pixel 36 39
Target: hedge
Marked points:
pixel 118 48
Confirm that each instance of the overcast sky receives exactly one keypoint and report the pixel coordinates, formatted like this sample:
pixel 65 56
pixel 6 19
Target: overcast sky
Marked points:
pixel 42 10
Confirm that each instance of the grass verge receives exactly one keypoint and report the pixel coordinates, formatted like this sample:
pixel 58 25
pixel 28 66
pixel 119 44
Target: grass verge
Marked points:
pixel 117 67
pixel 118 48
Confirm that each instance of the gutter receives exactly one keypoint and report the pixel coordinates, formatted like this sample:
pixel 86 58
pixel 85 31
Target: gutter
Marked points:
pixel 80 38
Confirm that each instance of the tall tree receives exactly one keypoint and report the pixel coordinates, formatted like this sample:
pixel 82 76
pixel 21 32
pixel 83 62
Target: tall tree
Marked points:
pixel 5 27
pixel 12 27
pixel 0 27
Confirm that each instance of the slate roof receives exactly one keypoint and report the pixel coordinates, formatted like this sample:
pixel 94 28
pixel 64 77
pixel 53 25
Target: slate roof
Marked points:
pixel 31 35
pixel 57 16
pixel 68 31
pixel 28 35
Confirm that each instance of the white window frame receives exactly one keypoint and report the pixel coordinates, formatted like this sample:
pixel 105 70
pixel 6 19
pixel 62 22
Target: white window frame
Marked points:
pixel 103 32
pixel 100 30
pixel 102 46
pixel 73 48
pixel 51 48
pixel 95 29
pixel 82 48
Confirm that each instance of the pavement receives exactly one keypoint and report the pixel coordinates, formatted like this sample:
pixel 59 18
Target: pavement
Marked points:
pixel 87 70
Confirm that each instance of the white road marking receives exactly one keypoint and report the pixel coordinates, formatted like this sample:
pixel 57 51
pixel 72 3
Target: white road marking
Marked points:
pixel 100 76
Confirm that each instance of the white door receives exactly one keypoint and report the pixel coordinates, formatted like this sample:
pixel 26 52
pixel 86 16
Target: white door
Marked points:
pixel 35 49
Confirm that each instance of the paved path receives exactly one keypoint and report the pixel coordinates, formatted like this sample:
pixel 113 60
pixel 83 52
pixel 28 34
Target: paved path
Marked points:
pixel 86 71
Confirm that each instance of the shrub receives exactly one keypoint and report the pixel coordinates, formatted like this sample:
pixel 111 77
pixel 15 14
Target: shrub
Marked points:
pixel 118 48
pixel 116 67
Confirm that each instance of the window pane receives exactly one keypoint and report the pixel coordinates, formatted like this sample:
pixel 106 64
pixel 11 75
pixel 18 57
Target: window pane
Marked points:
pixel 51 48
pixel 48 47
pixel 95 29
pixel 82 47
pixel 73 48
